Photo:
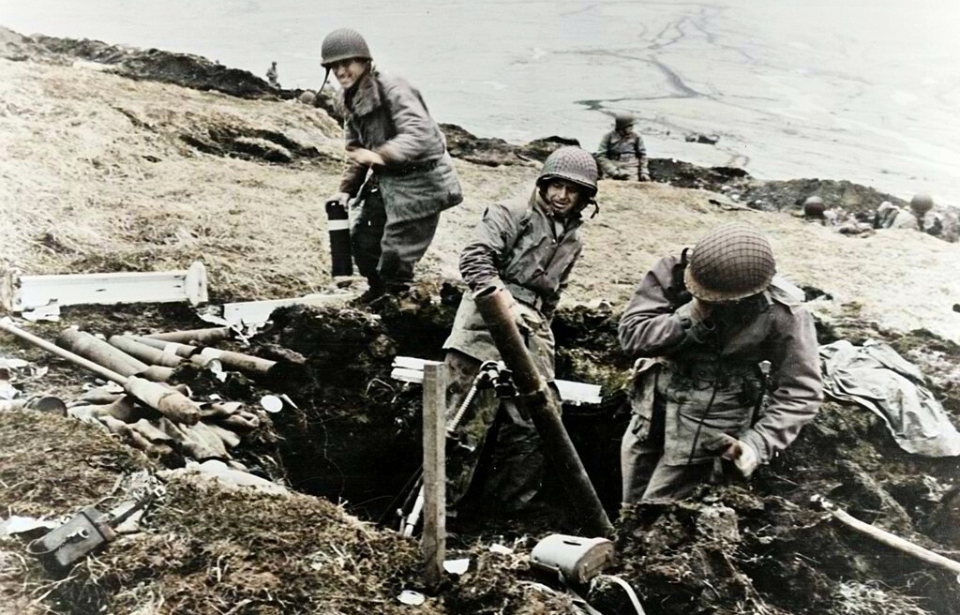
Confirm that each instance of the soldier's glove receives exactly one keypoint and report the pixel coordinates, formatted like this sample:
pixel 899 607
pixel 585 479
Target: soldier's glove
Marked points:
pixel 741 454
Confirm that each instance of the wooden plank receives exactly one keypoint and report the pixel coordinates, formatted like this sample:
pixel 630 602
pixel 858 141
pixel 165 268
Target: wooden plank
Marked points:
pixel 410 369
pixel 407 375
pixel 409 363
pixel 577 393
pixel 433 540
pixel 258 312
pixel 25 292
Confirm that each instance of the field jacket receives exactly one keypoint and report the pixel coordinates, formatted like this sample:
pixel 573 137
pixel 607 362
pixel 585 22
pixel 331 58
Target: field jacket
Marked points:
pixel 705 375
pixel 388 116
pixel 518 245
pixel 618 154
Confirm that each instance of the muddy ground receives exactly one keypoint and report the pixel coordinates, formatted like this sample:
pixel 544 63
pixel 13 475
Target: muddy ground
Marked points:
pixel 229 185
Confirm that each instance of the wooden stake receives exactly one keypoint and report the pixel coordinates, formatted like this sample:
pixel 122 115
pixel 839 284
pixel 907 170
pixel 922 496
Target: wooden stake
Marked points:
pixel 433 540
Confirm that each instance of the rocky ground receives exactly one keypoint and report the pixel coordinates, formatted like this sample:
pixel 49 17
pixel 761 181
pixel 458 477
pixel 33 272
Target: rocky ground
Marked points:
pixel 123 159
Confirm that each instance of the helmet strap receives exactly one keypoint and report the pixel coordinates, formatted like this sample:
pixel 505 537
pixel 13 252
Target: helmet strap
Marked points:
pixel 324 84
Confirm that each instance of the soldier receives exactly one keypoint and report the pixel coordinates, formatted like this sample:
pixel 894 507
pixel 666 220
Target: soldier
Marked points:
pixel 701 325
pixel 529 247
pixel 927 220
pixel 272 76
pixel 814 209
pixel 391 137
pixel 918 218
pixel 621 154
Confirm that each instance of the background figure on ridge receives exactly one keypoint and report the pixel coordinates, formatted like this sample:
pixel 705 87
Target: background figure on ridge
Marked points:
pixel 621 154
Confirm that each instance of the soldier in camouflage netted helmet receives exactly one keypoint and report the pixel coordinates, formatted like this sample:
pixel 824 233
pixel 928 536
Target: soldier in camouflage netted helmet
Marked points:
pixel 398 167
pixel 621 154
pixel 727 367
pixel 529 247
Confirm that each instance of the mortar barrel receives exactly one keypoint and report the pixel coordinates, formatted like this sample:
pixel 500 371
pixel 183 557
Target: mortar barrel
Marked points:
pixel 494 304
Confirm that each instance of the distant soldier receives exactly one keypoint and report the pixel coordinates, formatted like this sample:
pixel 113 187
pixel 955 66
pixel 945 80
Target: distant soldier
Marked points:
pixel 398 156
pixel 928 221
pixel 529 247
pixel 714 332
pixel 814 210
pixel 621 154
pixel 919 217
pixel 886 213
pixel 272 76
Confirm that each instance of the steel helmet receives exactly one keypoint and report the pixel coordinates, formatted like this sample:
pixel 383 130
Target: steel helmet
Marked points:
pixel 573 164
pixel 814 207
pixel 343 44
pixel 731 262
pixel 622 120
pixel 921 203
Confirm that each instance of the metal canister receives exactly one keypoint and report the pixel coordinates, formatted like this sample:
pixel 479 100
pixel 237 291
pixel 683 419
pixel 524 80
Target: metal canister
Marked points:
pixel 338 225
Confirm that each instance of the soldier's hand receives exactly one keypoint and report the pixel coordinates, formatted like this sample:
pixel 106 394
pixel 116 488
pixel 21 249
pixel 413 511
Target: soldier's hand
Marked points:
pixel 644 177
pixel 340 197
pixel 741 454
pixel 365 157
pixel 700 309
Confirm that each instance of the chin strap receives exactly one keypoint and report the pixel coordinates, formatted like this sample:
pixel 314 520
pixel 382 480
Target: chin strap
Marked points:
pixel 324 84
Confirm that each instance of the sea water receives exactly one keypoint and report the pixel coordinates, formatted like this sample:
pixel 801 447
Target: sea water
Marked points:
pixel 864 91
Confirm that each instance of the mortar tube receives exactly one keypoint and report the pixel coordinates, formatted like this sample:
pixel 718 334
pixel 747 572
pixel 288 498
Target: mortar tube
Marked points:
pixel 202 336
pixel 494 304
pixel 175 406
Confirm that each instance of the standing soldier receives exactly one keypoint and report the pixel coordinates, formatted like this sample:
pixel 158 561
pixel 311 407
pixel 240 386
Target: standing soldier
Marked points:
pixel 621 154
pixel 391 138
pixel 529 247
pixel 272 76
pixel 713 331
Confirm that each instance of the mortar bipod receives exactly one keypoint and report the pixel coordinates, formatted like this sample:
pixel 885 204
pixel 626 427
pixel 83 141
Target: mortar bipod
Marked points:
pixel 492 374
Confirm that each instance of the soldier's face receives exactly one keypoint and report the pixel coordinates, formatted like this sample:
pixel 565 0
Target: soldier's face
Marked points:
pixel 348 72
pixel 562 197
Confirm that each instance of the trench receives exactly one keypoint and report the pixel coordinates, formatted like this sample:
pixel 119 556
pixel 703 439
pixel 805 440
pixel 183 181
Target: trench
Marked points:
pixel 356 440
pixel 356 437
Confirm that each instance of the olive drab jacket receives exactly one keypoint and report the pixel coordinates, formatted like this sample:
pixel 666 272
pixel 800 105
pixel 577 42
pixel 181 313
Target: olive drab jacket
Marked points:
pixel 705 375
pixel 388 116
pixel 532 254
pixel 623 157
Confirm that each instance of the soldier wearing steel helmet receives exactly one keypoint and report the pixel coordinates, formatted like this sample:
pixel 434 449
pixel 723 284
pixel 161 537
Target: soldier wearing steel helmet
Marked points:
pixel 529 247
pixel 621 154
pixel 272 75
pixel 398 155
pixel 703 326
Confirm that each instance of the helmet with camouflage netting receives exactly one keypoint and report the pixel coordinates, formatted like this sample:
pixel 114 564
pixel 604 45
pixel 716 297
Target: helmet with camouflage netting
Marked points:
pixel 343 44
pixel 623 120
pixel 731 262
pixel 921 203
pixel 573 164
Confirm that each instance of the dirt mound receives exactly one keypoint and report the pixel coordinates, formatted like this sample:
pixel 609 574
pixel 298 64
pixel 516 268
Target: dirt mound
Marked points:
pixel 187 70
pixel 790 195
pixel 496 152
